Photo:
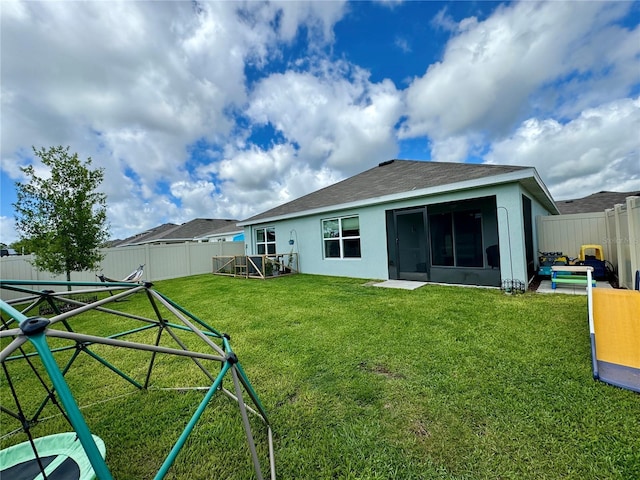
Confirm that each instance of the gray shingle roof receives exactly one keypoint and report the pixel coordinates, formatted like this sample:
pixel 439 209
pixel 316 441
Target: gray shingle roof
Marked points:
pixel 198 227
pixel 388 178
pixel 231 227
pixel 172 232
pixel 596 202
pixel 146 236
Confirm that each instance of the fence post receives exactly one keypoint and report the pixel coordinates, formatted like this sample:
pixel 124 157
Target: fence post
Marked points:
pixel 633 217
pixel 187 259
pixel 622 258
pixel 147 262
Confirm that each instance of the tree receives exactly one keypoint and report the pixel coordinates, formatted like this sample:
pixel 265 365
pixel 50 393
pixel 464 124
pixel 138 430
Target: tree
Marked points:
pixel 62 216
pixel 22 246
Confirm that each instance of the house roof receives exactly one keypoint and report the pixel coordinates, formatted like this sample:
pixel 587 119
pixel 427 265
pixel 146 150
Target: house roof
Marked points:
pixel 170 232
pixel 146 236
pixel 229 229
pixel 596 202
pixel 390 178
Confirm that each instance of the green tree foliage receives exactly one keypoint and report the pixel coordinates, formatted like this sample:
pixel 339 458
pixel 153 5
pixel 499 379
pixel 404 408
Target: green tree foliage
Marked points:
pixel 22 246
pixel 62 216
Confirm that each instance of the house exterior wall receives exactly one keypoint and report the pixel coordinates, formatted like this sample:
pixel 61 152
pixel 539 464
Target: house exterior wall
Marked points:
pixel 306 231
pixel 308 243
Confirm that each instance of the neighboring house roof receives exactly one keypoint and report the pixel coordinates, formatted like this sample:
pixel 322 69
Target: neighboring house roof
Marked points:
pixel 170 232
pixel 229 229
pixel 596 202
pixel 401 177
pixel 146 236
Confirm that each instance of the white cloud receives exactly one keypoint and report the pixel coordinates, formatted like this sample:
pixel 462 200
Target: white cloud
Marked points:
pixel 599 150
pixel 335 116
pixel 492 69
pixel 122 82
pixel 452 149
pixel 256 169
pixel 318 17
pixel 444 21
pixel 134 84
pixel 402 44
pixel 255 180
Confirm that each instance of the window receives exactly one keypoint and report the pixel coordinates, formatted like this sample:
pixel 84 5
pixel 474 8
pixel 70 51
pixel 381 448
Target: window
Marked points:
pixel 266 241
pixel 456 239
pixel 341 237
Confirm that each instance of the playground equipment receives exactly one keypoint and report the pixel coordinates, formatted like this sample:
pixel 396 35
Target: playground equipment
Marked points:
pixel 614 326
pixel 593 256
pixel 35 347
pixel 548 260
pixel 60 456
pixel 133 277
pixel 572 274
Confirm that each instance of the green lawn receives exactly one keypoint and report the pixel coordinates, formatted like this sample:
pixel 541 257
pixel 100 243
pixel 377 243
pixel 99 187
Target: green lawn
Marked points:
pixel 370 383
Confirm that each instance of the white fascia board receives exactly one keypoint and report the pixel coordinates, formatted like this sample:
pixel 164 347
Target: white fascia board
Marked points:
pixel 159 240
pixel 543 187
pixel 423 192
pixel 219 234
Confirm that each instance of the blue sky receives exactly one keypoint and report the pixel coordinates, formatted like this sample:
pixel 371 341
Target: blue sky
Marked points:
pixel 226 109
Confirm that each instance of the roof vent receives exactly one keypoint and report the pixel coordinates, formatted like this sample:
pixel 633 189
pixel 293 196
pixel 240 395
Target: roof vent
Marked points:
pixel 388 162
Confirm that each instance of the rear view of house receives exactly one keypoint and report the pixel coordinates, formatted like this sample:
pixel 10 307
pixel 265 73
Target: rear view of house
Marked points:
pixel 441 222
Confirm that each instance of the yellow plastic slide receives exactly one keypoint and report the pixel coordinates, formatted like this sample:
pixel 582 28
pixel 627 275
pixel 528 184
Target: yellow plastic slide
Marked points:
pixel 615 336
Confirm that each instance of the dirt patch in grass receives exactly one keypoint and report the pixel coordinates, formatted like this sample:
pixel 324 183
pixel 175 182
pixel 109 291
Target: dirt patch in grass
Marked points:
pixel 419 429
pixel 379 369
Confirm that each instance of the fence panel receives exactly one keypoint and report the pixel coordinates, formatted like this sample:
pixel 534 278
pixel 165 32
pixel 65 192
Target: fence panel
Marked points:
pixel 622 244
pixel 120 262
pixel 567 233
pixel 610 218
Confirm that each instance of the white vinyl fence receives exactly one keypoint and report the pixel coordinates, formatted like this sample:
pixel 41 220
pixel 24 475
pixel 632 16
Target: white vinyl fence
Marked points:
pixel 623 224
pixel 617 230
pixel 160 262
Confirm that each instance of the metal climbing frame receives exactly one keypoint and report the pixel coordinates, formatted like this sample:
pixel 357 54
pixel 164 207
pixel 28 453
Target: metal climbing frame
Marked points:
pixel 20 329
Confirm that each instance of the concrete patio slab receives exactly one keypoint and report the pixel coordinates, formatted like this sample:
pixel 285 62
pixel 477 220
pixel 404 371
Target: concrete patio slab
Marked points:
pixel 403 284
pixel 545 287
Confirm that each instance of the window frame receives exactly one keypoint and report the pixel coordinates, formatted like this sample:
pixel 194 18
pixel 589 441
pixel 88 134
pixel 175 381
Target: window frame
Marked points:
pixel 266 243
pixel 341 238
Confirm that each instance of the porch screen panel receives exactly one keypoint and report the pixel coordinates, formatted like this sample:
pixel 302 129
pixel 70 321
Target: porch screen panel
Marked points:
pixel 468 239
pixel 441 228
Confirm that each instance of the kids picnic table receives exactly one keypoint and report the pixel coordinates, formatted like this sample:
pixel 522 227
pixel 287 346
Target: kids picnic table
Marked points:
pixel 572 274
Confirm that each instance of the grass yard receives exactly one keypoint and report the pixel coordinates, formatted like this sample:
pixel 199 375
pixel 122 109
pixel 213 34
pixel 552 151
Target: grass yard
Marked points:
pixel 370 383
